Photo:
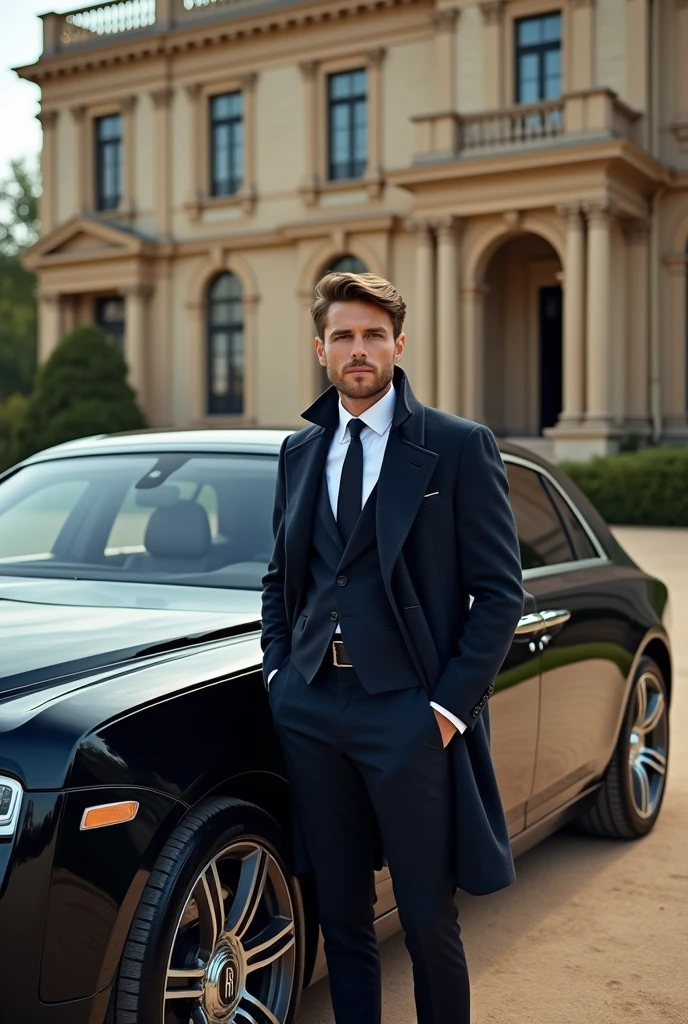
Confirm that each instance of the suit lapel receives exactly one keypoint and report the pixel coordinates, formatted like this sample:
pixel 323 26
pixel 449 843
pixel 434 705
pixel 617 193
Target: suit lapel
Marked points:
pixel 305 465
pixel 406 471
pixel 325 513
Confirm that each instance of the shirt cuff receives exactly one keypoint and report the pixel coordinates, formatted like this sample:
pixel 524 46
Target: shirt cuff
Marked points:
pixel 461 726
pixel 273 673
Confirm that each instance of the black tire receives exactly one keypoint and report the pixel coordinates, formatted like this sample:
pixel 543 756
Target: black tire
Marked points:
pixel 615 813
pixel 176 923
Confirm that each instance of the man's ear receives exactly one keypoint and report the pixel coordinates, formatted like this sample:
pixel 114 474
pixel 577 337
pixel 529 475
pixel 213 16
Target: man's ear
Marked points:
pixel 399 347
pixel 320 351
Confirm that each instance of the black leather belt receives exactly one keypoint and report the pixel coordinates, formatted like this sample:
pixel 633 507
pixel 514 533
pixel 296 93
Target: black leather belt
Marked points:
pixel 339 656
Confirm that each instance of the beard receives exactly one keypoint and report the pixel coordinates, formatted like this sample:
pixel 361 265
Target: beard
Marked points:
pixel 366 386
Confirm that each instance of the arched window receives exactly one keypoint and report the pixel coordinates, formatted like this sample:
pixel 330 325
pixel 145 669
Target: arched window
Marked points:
pixel 225 316
pixel 347 265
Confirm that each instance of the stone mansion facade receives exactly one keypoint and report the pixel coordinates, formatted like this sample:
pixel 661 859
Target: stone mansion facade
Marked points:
pixel 519 169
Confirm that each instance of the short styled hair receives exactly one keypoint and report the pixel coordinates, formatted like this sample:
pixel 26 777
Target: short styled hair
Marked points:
pixel 346 287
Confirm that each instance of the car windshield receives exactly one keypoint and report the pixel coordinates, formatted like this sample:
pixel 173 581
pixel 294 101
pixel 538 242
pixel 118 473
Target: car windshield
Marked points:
pixel 189 519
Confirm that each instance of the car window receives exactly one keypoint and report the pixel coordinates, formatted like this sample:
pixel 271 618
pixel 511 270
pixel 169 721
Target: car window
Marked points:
pixel 191 519
pixel 541 536
pixel 580 541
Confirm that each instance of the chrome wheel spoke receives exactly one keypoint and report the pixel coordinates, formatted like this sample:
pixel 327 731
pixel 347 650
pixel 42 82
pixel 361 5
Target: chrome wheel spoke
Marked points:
pixel 253 1011
pixel 652 759
pixel 184 983
pixel 641 711
pixel 211 908
pixel 272 943
pixel 654 710
pixel 642 781
pixel 254 873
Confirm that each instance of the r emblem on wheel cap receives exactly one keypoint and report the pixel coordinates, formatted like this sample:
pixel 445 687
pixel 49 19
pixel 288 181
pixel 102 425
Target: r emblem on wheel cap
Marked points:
pixel 229 981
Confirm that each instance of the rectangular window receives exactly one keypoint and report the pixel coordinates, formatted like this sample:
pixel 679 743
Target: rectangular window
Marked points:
pixel 226 143
pixel 108 133
pixel 348 124
pixel 538 58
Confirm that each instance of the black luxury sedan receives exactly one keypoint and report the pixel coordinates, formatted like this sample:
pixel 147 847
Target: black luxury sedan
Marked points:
pixel 144 813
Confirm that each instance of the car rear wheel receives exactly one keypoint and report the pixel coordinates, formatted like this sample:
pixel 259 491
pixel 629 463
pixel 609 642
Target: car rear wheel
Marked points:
pixel 218 935
pixel 628 804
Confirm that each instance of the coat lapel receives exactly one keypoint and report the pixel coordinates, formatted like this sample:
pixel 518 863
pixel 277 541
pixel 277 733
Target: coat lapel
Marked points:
pixel 305 466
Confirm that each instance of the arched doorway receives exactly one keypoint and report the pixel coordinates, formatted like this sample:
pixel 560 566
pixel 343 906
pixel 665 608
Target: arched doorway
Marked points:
pixel 523 338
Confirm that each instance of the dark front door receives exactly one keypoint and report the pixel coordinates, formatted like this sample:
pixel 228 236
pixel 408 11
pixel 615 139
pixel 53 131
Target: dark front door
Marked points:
pixel 550 355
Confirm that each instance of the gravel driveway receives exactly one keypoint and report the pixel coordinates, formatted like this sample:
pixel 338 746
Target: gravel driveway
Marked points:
pixel 592 932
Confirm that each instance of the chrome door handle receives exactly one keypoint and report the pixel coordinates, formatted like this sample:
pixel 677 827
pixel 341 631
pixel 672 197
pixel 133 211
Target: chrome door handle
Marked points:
pixel 527 625
pixel 554 617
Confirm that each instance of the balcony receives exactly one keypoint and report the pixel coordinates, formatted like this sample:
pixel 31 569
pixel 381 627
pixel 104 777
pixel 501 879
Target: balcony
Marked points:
pixel 579 116
pixel 106 23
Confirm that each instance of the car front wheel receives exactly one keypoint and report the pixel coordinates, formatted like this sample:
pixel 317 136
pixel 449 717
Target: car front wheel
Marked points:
pixel 628 803
pixel 218 934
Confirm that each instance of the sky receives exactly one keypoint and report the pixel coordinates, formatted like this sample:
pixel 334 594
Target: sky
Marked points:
pixel 21 42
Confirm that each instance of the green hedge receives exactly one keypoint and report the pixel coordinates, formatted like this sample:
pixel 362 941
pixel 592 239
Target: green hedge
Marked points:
pixel 644 488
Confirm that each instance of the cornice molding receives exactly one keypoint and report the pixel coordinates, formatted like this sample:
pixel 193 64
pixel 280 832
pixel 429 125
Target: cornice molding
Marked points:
pixel 191 37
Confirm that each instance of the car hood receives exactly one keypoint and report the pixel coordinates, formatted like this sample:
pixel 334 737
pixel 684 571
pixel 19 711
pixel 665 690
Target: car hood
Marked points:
pixel 52 629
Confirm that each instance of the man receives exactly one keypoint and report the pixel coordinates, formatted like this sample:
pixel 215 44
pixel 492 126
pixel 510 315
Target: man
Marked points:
pixel 389 515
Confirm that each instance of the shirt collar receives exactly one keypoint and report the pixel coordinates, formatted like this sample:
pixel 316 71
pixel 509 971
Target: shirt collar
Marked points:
pixel 379 417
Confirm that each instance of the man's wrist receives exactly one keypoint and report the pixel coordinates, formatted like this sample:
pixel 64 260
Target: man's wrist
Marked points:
pixel 461 726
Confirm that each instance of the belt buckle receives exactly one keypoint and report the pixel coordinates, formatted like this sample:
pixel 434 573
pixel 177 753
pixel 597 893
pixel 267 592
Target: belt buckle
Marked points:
pixel 335 644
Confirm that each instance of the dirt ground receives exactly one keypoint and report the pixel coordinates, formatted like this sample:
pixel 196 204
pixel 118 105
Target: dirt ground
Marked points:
pixel 592 932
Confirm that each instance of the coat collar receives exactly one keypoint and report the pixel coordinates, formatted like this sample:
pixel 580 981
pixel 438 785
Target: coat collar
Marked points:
pixel 408 411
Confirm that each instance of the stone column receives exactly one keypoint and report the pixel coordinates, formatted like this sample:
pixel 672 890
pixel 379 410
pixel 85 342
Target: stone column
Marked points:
pixel 424 341
pixel 675 370
pixel 445 20
pixel 311 183
pixel 196 186
pixel 638 63
pixel 85 191
pixel 248 185
pixel 472 304
pixel 599 338
pixel 135 339
pixel 448 316
pixel 128 108
pixel 374 170
pixel 493 53
pixel 574 316
pixel 47 201
pixel 163 161
pixel 49 324
pixel 637 233
pixel 582 46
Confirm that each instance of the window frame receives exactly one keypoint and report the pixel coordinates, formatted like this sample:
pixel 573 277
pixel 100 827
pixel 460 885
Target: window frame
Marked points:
pixel 99 302
pixel 578 563
pixel 231 122
pixel 356 169
pixel 231 328
pixel 540 49
pixel 101 147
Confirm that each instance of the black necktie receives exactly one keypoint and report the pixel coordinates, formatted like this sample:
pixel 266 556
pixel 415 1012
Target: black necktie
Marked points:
pixel 350 498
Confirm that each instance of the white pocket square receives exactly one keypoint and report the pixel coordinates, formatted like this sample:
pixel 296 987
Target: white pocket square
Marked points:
pixel 431 494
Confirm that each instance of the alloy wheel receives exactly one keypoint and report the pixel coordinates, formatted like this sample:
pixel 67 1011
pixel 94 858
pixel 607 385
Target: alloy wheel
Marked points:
pixel 233 955
pixel 647 757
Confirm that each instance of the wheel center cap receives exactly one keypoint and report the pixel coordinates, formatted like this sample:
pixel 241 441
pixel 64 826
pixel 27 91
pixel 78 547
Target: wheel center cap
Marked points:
pixel 224 982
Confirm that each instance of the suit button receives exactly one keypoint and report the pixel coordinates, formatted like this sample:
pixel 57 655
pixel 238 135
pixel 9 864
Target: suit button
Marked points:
pixel 334 616
pixel 342 581
pixel 475 712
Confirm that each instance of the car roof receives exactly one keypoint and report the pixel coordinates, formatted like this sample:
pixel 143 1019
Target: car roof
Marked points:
pixel 261 441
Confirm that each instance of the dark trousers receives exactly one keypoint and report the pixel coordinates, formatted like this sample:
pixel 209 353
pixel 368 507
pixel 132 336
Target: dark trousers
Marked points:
pixel 353 757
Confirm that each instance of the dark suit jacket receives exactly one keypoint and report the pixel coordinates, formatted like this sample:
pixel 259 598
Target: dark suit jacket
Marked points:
pixel 434 552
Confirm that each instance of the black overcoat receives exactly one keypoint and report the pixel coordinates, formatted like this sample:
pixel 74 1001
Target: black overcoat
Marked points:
pixel 445 532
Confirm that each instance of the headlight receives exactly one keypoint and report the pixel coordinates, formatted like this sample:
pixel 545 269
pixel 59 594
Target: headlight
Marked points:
pixel 10 803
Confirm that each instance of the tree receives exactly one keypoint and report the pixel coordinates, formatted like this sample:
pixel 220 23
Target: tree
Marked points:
pixel 18 230
pixel 80 390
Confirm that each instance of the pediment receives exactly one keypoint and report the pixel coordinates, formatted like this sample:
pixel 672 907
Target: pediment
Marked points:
pixel 81 238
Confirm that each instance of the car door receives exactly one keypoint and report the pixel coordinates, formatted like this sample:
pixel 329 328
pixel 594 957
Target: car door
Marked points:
pixel 584 656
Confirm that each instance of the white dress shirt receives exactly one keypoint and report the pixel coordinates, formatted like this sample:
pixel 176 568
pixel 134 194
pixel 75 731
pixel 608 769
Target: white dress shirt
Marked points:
pixel 378 422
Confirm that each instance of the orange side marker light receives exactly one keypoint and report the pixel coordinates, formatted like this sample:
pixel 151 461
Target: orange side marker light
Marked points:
pixel 109 814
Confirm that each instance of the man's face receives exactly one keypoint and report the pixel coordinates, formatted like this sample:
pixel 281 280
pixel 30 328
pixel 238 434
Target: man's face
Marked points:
pixel 359 350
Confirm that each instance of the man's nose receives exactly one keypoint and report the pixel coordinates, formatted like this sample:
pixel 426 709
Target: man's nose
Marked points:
pixel 358 346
